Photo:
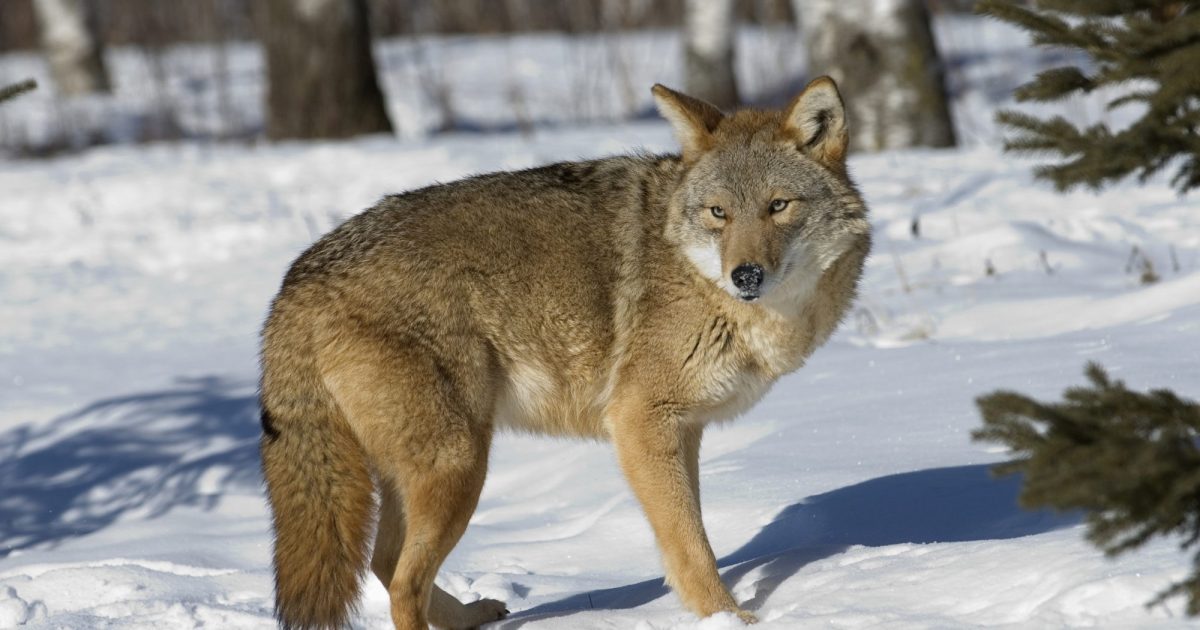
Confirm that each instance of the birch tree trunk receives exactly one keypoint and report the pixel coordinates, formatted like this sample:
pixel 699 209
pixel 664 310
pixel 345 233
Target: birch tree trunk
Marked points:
pixel 70 38
pixel 320 71
pixel 883 56
pixel 709 30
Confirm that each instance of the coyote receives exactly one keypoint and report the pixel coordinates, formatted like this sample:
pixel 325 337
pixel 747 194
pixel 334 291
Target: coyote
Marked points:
pixel 634 298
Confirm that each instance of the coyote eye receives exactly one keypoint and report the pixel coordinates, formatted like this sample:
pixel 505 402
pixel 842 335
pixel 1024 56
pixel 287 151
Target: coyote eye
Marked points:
pixel 717 211
pixel 779 205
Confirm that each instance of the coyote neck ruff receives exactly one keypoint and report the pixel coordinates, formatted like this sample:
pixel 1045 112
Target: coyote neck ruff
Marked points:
pixel 634 299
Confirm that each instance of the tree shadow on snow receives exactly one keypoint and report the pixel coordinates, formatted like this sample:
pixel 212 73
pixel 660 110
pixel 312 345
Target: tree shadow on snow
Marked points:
pixel 955 504
pixel 144 454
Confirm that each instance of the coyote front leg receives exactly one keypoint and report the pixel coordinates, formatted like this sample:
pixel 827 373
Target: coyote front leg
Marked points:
pixel 653 448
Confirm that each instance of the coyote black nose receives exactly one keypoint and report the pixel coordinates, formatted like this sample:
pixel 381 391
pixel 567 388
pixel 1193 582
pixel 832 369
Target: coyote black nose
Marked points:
pixel 748 277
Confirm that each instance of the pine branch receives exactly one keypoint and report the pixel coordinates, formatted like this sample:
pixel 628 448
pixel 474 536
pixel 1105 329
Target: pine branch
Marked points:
pixel 1152 48
pixel 1102 8
pixel 1132 97
pixel 1055 84
pixel 1130 460
pixel 1007 11
pixel 1188 175
pixel 16 89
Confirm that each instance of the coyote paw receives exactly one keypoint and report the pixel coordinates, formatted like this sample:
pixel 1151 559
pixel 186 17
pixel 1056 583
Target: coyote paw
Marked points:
pixel 484 611
pixel 746 616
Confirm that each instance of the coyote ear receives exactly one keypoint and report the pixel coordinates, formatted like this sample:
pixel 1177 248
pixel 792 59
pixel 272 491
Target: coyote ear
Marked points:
pixel 692 119
pixel 817 119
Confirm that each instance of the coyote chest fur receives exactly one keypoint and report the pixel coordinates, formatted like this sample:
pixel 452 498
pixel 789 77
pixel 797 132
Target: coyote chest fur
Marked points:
pixel 634 299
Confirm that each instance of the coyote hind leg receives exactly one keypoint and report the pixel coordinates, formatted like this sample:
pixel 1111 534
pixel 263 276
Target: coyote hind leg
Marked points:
pixel 438 502
pixel 445 611
pixel 426 437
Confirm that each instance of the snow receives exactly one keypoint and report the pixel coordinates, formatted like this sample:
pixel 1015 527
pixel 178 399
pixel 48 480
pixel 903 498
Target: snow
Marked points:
pixel 134 280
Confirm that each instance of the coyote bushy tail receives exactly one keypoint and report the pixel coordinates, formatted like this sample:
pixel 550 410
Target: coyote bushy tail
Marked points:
pixel 321 498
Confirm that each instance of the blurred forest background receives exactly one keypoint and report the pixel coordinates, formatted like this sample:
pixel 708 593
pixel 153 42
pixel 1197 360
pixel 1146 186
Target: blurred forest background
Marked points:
pixel 120 71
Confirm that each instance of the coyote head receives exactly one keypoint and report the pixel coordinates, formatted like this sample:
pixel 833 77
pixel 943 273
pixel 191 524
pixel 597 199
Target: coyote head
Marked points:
pixel 765 202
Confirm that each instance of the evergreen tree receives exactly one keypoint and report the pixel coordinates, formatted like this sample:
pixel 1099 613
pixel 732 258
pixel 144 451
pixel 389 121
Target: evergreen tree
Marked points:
pixel 1153 47
pixel 1131 460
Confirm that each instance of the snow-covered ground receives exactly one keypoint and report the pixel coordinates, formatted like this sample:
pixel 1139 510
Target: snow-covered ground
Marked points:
pixel 133 281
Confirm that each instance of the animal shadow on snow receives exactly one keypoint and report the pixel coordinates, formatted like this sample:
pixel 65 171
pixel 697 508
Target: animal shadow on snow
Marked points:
pixel 140 454
pixel 955 504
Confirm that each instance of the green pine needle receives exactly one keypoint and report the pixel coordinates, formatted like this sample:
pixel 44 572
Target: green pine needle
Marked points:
pixel 16 89
pixel 1055 84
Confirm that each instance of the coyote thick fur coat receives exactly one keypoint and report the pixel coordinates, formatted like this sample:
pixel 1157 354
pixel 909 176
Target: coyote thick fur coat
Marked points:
pixel 634 299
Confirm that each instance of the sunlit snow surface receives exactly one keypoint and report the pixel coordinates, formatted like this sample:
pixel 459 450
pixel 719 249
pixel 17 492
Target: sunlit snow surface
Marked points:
pixel 133 282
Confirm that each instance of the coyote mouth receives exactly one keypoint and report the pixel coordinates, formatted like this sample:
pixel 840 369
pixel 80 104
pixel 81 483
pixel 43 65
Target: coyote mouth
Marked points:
pixel 749 297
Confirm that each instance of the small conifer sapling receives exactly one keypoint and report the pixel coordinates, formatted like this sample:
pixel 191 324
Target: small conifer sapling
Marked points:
pixel 1150 50
pixel 1129 460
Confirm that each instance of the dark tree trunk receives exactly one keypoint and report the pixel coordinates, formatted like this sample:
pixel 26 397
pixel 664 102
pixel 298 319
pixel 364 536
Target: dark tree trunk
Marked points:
pixel 886 63
pixel 709 32
pixel 320 71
